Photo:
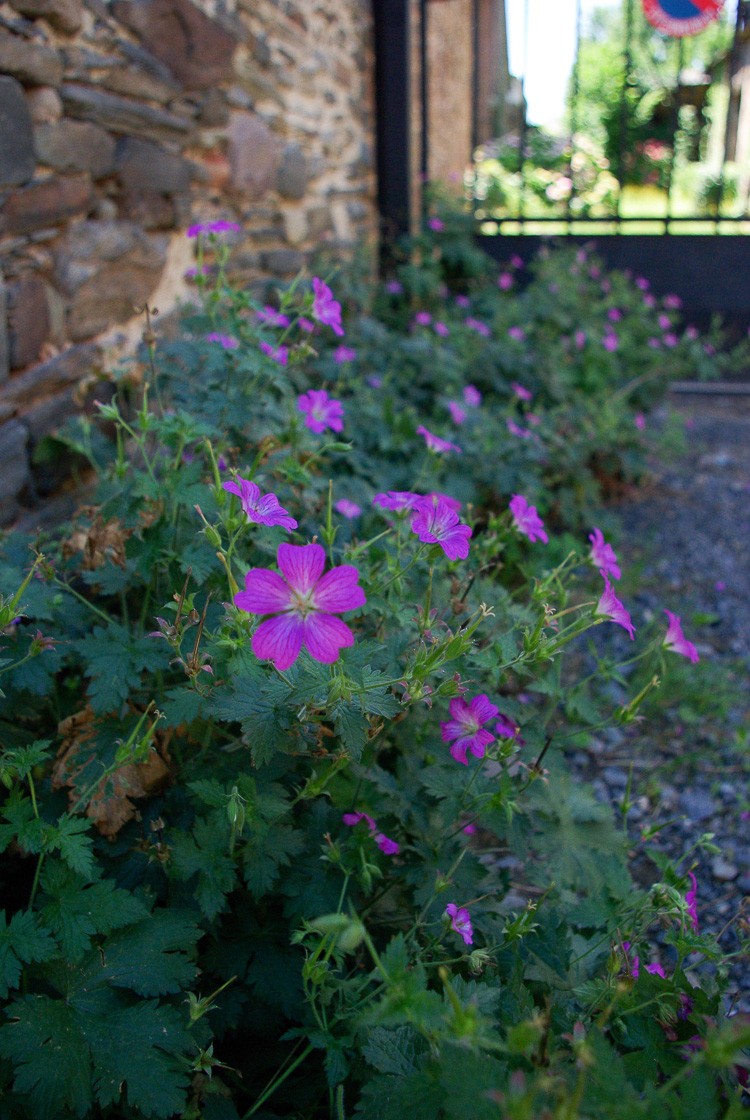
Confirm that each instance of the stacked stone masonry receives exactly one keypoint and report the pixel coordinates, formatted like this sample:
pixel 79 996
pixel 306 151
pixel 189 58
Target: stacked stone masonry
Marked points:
pixel 121 124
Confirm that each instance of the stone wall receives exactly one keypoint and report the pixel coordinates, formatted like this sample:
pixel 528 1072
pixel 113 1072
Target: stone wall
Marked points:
pixel 122 123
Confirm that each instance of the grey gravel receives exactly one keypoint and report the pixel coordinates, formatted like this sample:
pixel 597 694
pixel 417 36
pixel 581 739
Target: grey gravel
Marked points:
pixel 686 533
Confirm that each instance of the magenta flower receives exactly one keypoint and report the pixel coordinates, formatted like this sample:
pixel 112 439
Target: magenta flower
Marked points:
pixel 279 354
pixel 518 334
pixel 507 728
pixel 325 308
pixel 436 225
pixel 423 318
pixel 580 339
pixel 321 411
pixel 387 846
pixel 394 287
pixel 460 922
pixel 463 301
pixel 458 414
pixel 272 317
pixel 521 391
pixel 435 522
pixel 656 970
pixel 264 510
pixel 436 443
pixel 670 340
pixel 609 606
pixel 610 341
pixel 478 326
pixel 614 315
pixel 344 354
pixel 516 429
pixel 221 226
pixel 504 281
pixel 673 302
pixel 472 396
pixel 228 341
pixel 441 329
pixel 602 555
pixel 347 509
pixel 465 731
pixel 375 382
pixel 642 283
pixel 397 500
pixel 691 901
pixel 303 603
pixel 640 421
pixel 675 640
pixel 526 519
pixel 305 324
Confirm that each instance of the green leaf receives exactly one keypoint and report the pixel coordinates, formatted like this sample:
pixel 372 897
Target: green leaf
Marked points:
pixel 114 659
pixel 45 1043
pixel 149 958
pixel 204 854
pixel 22 940
pixel 75 911
pixel 351 726
pixel 71 835
pixel 392 1051
pixel 134 1051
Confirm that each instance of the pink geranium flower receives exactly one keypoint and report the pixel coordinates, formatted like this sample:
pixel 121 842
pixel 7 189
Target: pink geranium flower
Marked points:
pixel 423 318
pixel 460 922
pixel 321 411
pixel 325 308
pixel 504 281
pixel 521 391
pixel 458 414
pixel 303 603
pixel 516 429
pixel 347 509
pixel 305 324
pixel 435 522
pixel 436 443
pixel 436 225
pixel 610 341
pixel 344 354
pixel 441 329
pixel 264 510
pixel 228 341
pixel 640 421
pixel 602 555
pixel 221 226
pixel 279 354
pixel 507 728
pixel 397 500
pixel 675 640
pixel 465 731
pixel 526 519
pixel 478 326
pixel 609 606
pixel 472 396
pixel 272 317
pixel 580 339
pixel 518 334
pixel 387 846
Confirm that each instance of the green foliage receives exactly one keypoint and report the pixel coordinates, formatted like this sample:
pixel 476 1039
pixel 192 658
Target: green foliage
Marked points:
pixel 232 889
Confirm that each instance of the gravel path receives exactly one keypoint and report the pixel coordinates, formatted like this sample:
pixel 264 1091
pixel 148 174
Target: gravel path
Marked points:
pixel 686 543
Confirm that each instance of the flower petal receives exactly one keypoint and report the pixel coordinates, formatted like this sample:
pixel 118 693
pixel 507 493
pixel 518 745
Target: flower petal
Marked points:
pixel 483 709
pixel 301 565
pixel 339 590
pixel 265 592
pixel 279 640
pixel 324 637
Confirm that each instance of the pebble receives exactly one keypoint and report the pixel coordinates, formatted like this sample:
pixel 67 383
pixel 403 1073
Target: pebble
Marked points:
pixel 723 870
pixel 697 804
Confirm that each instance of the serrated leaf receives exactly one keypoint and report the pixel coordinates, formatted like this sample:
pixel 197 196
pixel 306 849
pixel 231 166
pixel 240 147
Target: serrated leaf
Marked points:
pixel 44 1042
pixel 134 1050
pixel 114 659
pixel 71 836
pixel 22 941
pixel 392 1051
pixel 351 726
pixel 149 958
pixel 204 855
pixel 75 911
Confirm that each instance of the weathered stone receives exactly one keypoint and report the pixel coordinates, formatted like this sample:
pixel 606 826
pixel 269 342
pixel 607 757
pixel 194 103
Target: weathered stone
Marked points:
pixel 46 204
pixel 28 320
pixel 46 416
pixel 64 15
pixel 45 105
pixel 14 464
pixel 291 178
pixel 4 356
pixel 197 49
pixel 283 262
pixel 145 61
pixel 254 153
pixel 214 112
pixel 143 166
pixel 48 378
pixel 106 269
pixel 121 115
pixel 319 220
pixel 136 83
pixel 17 161
pixel 75 146
pixel 29 61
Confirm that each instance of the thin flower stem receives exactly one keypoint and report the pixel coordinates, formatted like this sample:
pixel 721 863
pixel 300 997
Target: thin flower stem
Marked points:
pixel 403 571
pixel 280 1078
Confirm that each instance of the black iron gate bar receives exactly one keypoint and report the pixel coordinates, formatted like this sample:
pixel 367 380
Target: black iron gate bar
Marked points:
pixel 716 222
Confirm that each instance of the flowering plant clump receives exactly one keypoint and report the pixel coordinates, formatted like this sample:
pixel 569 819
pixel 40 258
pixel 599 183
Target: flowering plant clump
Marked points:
pixel 287 723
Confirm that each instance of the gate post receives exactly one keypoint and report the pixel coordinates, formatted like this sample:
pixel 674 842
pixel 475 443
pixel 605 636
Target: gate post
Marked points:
pixel 393 118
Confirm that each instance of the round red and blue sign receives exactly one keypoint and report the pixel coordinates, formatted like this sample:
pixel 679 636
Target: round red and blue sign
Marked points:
pixel 681 17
